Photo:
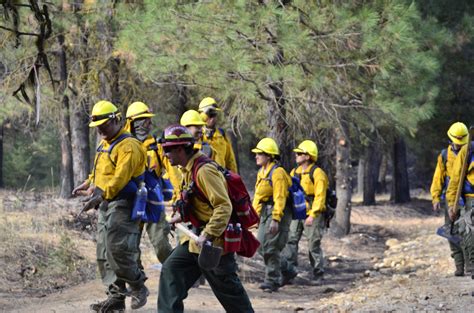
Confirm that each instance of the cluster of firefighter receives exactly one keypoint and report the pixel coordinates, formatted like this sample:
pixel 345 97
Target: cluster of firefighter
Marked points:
pixel 129 157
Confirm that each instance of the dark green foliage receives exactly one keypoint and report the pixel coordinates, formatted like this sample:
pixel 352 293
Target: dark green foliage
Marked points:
pixel 36 154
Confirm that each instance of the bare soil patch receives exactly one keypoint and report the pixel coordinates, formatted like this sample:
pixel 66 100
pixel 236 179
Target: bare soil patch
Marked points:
pixel 391 261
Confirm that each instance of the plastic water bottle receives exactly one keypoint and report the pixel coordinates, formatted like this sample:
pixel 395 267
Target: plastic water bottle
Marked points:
pixel 230 228
pixel 139 205
pixel 238 228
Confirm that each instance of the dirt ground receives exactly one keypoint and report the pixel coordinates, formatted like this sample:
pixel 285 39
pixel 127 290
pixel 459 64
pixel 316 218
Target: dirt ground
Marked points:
pixel 391 261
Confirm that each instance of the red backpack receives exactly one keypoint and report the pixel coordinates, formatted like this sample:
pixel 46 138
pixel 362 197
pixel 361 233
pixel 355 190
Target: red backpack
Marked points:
pixel 236 239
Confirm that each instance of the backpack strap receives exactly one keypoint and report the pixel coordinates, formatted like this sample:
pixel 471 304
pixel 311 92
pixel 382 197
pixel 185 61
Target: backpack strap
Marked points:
pixel 154 147
pixel 314 167
pixel 444 156
pixel 269 177
pixel 100 148
pixel 222 131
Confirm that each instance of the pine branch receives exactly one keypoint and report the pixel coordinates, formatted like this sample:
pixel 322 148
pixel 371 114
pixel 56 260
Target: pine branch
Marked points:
pixel 18 33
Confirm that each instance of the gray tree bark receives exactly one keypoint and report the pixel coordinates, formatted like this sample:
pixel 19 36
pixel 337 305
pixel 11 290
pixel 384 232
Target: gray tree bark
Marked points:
pixel 382 181
pixel 360 176
pixel 1 156
pixel 66 180
pixel 341 224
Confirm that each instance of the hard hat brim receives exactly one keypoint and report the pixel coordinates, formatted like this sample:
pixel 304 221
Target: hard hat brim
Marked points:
pixel 204 109
pixel 457 141
pixel 194 124
pixel 176 143
pixel 143 115
pixel 298 150
pixel 98 123
pixel 256 150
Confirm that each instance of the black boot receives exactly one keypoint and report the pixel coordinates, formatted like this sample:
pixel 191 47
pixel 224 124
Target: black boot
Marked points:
pixel 114 303
pixel 139 295
pixel 459 270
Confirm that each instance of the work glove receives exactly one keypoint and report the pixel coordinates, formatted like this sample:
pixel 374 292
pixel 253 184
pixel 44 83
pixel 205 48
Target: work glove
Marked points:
pixel 273 229
pixel 436 206
pixel 94 200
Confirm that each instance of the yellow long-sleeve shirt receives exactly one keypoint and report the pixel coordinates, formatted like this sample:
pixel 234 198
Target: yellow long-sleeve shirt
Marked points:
pixel 224 155
pixel 277 190
pixel 442 173
pixel 456 175
pixel 157 162
pixel 112 171
pixel 317 189
pixel 215 215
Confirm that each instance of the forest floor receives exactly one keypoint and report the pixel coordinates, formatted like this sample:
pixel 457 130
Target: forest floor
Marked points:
pixel 391 261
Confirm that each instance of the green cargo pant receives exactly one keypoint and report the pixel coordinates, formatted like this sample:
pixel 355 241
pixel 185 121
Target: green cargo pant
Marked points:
pixel 314 233
pixel 458 252
pixel 181 270
pixel 272 245
pixel 158 234
pixel 466 229
pixel 117 238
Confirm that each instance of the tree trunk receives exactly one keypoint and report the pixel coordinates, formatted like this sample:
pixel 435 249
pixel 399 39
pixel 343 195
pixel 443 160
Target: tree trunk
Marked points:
pixel 400 186
pixel 341 225
pixel 109 75
pixel 235 143
pixel 381 181
pixel 80 142
pixel 360 176
pixel 1 156
pixel 182 99
pixel 371 173
pixel 66 181
pixel 277 123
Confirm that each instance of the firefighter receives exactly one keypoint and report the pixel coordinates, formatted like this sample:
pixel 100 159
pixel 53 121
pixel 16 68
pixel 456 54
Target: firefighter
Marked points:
pixel 314 182
pixel 119 167
pixel 139 121
pixel 216 136
pixel 181 270
pixel 192 120
pixel 270 198
pixel 457 134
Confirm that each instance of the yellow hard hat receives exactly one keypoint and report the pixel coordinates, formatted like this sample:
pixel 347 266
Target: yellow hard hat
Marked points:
pixel 138 110
pixel 308 147
pixel 208 103
pixel 191 117
pixel 458 133
pixel 102 112
pixel 267 145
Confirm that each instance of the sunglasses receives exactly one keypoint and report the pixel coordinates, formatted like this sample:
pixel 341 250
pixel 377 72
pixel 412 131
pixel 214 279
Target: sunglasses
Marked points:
pixel 211 114
pixel 300 153
pixel 95 118
pixel 169 149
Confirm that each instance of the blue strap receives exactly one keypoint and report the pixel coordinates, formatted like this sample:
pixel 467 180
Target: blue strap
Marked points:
pixel 115 142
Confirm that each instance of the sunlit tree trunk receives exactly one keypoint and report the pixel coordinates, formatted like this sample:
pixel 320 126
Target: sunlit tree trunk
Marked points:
pixel 66 180
pixel 341 225
pixel 1 155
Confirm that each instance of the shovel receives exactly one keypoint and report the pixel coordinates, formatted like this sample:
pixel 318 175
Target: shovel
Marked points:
pixel 210 256
pixel 446 232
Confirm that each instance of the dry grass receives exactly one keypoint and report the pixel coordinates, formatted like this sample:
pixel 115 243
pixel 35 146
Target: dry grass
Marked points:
pixel 38 253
